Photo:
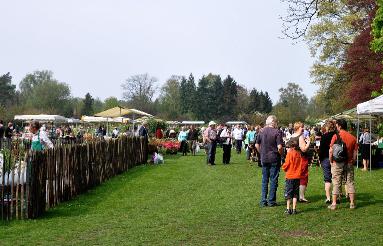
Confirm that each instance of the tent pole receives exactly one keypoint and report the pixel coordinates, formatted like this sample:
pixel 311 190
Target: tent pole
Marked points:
pixel 370 144
pixel 357 138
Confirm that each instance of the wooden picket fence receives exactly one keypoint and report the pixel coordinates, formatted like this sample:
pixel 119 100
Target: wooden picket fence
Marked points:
pixel 48 178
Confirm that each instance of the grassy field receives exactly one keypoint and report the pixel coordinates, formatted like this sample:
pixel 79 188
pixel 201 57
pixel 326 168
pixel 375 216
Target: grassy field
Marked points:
pixel 186 202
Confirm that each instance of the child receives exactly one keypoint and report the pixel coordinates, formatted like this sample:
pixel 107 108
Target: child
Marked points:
pixel 292 167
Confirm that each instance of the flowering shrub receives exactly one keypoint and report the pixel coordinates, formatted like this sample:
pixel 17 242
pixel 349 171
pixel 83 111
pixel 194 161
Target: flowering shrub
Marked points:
pixel 166 146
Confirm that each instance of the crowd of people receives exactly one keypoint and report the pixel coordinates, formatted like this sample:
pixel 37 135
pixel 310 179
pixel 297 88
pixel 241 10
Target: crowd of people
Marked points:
pixel 271 146
pixel 293 149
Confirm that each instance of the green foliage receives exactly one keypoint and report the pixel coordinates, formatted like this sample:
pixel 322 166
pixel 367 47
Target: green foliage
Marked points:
pixel 110 102
pixel 154 124
pixel 170 98
pixel 88 105
pixel 292 104
pixel 7 90
pixel 377 29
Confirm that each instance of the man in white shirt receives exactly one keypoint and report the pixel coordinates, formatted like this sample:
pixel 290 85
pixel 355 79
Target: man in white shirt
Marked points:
pixel 238 136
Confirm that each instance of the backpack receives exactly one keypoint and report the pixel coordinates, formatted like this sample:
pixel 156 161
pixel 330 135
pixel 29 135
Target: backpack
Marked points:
pixel 339 150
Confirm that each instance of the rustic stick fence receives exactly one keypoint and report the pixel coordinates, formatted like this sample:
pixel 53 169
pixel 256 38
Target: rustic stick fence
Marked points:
pixel 38 181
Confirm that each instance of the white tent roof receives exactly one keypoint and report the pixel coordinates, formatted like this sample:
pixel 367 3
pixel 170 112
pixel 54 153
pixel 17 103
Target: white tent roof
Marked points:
pixel 72 120
pixel 374 106
pixel 94 119
pixel 236 122
pixel 193 122
pixel 41 117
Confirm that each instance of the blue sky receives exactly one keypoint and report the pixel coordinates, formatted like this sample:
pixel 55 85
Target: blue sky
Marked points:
pixel 94 45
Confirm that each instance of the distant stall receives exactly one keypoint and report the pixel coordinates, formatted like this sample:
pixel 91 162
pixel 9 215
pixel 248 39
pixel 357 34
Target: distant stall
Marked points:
pixel 193 122
pixel 236 123
pixel 42 118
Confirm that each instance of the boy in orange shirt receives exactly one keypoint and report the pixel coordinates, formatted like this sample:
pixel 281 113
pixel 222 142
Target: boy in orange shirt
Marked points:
pixel 292 167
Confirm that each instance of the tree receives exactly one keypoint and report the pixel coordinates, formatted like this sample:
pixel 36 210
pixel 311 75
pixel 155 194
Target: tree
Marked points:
pixel 88 105
pixel 139 90
pixel 243 100
pixel 364 68
pixel 187 94
pixel 229 98
pixel 292 104
pixel 7 90
pixel 111 102
pixel 170 98
pixel 50 97
pixel 300 14
pixel 34 79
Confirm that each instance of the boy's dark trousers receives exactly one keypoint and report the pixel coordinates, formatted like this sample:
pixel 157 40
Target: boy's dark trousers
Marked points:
pixel 226 153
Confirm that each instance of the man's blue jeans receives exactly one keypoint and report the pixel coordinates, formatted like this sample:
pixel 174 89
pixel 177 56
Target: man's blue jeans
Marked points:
pixel 270 173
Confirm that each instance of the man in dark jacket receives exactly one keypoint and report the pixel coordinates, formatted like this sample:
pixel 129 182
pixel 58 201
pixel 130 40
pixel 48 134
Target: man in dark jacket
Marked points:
pixel 269 145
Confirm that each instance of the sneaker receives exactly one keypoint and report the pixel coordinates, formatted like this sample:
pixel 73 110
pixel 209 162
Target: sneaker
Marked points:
pixel 294 211
pixel 288 211
pixel 332 207
pixel 273 204
pixel 328 201
pixel 352 206
pixel 262 205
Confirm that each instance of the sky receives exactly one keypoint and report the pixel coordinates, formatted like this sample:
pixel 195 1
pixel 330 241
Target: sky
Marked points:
pixel 95 45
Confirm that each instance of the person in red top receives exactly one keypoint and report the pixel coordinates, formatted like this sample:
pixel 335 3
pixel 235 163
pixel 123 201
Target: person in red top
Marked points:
pixel 159 133
pixel 293 169
pixel 340 170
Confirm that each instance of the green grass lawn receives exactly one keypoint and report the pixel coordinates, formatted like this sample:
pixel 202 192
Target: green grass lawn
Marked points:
pixel 186 202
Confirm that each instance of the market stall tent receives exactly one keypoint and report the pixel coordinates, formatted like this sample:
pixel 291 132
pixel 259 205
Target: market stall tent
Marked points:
pixel 371 107
pixel 193 122
pixel 42 118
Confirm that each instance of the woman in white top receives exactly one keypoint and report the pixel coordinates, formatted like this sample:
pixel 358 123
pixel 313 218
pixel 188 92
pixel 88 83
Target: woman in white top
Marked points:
pixel 365 141
pixel 226 144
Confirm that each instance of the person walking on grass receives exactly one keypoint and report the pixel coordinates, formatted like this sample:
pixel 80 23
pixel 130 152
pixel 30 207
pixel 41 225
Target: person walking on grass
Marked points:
pixel 269 145
pixel 304 145
pixel 328 132
pixel 238 136
pixel 342 165
pixel 182 138
pixel 365 141
pixel 193 138
pixel 211 141
pixel 226 144
pixel 292 167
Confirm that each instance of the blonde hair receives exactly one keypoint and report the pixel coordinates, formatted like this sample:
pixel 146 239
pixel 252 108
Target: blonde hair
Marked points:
pixel 297 125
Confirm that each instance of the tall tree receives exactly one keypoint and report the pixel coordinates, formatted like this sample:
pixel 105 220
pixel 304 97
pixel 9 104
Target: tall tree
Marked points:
pixel 187 93
pixel 292 104
pixel 7 90
pixel 110 102
pixel 229 98
pixel 170 98
pixel 139 90
pixel 34 79
pixel 88 105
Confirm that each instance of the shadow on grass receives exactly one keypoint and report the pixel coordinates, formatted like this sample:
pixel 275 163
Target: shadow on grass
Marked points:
pixel 366 200
pixel 84 203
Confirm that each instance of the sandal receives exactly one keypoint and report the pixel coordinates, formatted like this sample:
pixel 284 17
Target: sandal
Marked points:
pixel 303 200
pixel 332 207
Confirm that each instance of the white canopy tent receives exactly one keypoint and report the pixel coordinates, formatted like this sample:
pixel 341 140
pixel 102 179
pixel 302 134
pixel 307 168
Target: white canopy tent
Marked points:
pixel 73 121
pixel 193 122
pixel 93 119
pixel 236 123
pixel 371 108
pixel 42 118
